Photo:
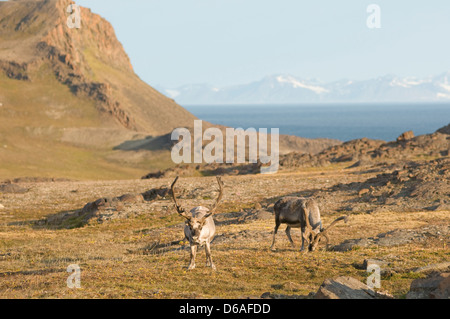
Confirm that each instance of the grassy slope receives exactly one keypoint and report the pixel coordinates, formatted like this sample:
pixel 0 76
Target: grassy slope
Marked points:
pixel 31 119
pixel 150 109
pixel 34 113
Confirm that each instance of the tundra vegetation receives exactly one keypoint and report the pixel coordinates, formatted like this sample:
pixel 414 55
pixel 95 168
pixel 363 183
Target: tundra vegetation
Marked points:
pixel 141 254
pixel 94 120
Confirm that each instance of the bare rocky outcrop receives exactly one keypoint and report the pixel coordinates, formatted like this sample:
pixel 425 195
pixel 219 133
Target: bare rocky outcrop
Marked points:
pixel 14 70
pixel 412 186
pixel 439 267
pixel 29 179
pixel 405 136
pixel 10 188
pixel 303 146
pixel 367 152
pixel 435 286
pixel 347 288
pixel 354 150
pixel 73 75
pixel 397 237
pixel 103 209
pixel 444 130
pixel 214 169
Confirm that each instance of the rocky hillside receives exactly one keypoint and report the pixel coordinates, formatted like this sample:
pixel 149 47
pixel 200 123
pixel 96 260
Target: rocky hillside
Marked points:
pixel 69 96
pixel 366 152
pixel 363 152
pixel 90 61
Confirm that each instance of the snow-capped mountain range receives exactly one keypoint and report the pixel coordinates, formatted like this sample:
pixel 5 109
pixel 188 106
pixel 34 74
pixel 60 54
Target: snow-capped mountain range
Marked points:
pixel 291 89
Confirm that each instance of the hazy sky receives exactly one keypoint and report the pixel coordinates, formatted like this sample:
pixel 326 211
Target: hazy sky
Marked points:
pixel 223 42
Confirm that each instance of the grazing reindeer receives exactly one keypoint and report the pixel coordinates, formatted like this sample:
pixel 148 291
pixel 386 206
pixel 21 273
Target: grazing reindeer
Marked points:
pixel 200 228
pixel 294 211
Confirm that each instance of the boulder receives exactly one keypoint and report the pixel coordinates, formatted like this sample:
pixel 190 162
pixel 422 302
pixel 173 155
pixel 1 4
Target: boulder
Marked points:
pixel 445 266
pixel 131 198
pixel 347 288
pixel 363 192
pixel 405 136
pixel 156 193
pixel 12 189
pixel 435 286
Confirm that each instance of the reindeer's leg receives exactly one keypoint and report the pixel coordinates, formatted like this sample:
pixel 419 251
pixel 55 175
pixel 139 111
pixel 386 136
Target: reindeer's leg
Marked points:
pixel 305 235
pixel 288 234
pixel 277 224
pixel 327 245
pixel 209 262
pixel 310 240
pixel 303 240
pixel 193 254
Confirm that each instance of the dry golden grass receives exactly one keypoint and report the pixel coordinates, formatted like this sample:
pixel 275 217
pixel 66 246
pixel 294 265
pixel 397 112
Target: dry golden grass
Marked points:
pixel 34 259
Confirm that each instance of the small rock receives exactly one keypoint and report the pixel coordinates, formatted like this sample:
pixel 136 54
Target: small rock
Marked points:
pixel 1 206
pixel 368 262
pixel 363 192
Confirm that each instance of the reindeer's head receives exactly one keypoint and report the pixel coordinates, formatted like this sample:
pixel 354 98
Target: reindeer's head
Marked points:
pixel 195 223
pixel 199 215
pixel 316 238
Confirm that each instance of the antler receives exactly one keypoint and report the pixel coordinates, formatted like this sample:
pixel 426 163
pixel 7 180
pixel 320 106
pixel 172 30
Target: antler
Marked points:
pixel 219 198
pixel 324 232
pixel 180 210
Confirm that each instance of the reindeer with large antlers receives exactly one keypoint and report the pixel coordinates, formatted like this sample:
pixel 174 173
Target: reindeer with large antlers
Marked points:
pixel 200 228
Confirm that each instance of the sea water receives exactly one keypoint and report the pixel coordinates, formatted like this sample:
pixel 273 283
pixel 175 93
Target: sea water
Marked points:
pixel 337 121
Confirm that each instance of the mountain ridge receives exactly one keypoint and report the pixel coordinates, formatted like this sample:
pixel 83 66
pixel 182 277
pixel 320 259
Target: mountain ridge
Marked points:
pixel 285 88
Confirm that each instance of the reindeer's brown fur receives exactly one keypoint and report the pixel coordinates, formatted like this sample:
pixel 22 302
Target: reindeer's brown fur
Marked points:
pixel 303 213
pixel 297 212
